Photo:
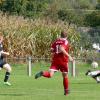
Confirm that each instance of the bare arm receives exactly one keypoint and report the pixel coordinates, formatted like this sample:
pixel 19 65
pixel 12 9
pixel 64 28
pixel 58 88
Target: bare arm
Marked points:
pixel 5 53
pixel 65 53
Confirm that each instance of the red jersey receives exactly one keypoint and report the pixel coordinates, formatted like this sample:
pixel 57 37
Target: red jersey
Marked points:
pixel 58 56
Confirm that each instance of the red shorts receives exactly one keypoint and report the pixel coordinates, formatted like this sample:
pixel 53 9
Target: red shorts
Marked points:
pixel 63 67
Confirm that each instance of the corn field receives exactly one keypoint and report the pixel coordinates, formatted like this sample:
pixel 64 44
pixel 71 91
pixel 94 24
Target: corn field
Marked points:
pixel 27 37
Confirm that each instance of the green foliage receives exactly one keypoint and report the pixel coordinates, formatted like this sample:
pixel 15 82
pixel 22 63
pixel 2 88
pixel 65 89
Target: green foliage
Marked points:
pixel 98 1
pixel 27 8
pixel 93 19
pixel 90 56
pixel 71 16
pixel 55 9
pixel 85 4
pixel 85 40
pixel 98 5
pixel 74 36
pixel 35 36
pixel 67 13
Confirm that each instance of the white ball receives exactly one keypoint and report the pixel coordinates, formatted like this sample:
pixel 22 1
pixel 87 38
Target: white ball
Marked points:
pixel 94 64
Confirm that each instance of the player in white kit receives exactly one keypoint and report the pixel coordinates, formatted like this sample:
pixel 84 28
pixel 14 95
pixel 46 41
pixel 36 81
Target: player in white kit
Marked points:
pixel 94 74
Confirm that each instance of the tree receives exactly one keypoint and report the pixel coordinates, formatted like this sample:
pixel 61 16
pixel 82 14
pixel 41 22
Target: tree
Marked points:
pixel 71 16
pixel 98 5
pixel 93 19
pixel 26 8
pixel 7 6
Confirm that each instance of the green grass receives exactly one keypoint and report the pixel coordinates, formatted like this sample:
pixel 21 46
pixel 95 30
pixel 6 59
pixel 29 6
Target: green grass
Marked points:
pixel 27 88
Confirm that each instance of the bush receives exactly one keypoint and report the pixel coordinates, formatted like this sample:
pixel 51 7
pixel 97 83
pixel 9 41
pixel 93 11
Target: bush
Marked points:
pixel 91 56
pixel 26 37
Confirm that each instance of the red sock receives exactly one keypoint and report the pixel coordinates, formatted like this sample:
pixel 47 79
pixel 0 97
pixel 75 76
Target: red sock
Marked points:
pixel 46 74
pixel 65 84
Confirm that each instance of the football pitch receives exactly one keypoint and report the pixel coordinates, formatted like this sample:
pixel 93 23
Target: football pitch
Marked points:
pixel 27 88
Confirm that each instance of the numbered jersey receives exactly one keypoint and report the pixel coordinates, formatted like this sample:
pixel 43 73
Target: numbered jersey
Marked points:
pixel 58 55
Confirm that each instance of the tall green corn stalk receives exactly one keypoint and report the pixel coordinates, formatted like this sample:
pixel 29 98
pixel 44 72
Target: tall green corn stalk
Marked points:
pixel 25 37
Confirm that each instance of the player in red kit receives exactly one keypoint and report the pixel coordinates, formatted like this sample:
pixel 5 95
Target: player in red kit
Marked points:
pixel 59 49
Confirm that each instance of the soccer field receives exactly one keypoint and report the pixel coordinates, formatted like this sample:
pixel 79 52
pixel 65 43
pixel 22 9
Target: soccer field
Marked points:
pixel 27 88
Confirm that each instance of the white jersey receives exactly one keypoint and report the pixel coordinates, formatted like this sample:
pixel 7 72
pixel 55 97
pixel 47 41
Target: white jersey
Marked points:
pixel 93 73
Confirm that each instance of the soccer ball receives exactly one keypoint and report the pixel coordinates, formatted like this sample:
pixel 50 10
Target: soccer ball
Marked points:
pixel 94 64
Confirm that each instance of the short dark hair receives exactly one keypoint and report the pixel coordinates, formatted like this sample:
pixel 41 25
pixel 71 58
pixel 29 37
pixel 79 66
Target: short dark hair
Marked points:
pixel 63 34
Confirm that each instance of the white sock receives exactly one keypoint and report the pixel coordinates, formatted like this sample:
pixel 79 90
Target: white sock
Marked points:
pixel 98 79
